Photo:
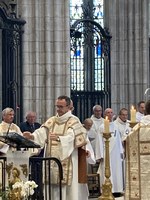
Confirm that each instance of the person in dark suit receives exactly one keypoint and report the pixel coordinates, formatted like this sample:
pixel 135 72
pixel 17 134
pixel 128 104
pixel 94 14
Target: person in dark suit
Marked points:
pixel 30 124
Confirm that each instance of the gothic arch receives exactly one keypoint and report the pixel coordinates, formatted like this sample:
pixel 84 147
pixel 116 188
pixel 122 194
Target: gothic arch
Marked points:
pixel 95 90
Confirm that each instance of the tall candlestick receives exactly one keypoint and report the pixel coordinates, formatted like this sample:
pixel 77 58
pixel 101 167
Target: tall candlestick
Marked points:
pixel 133 114
pixel 106 125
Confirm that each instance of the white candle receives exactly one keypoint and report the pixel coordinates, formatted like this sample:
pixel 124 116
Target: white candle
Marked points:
pixel 106 125
pixel 133 114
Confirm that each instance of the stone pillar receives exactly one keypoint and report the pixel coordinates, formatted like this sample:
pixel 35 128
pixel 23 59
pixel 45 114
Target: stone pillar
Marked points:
pixel 128 24
pixel 46 54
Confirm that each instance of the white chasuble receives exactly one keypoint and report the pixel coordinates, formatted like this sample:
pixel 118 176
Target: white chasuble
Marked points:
pixel 72 135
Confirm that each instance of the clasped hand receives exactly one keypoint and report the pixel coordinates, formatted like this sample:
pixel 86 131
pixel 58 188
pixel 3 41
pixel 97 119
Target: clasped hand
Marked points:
pixel 53 136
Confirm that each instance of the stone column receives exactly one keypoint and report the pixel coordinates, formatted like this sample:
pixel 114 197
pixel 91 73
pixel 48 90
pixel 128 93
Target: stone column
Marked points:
pixel 46 54
pixel 128 24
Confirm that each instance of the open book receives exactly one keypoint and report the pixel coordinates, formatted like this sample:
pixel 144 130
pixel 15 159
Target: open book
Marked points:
pixel 15 140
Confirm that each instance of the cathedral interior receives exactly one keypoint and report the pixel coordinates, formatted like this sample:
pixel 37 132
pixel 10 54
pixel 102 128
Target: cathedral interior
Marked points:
pixel 95 51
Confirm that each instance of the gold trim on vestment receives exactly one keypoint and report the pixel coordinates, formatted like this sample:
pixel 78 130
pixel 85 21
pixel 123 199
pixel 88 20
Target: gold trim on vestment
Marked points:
pixel 137 162
pixel 54 126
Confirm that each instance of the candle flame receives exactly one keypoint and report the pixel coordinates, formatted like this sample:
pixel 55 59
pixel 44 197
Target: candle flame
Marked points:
pixel 132 107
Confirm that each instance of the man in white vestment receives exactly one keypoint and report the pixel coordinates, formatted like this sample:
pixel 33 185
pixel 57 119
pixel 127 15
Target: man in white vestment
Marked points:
pixel 97 117
pixel 140 110
pixel 7 126
pixel 124 128
pixel 97 122
pixel 116 152
pixel 138 159
pixel 64 135
pixel 122 123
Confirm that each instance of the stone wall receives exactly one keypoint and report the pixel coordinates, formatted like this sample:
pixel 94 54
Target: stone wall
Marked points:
pixel 128 24
pixel 46 63
pixel 46 54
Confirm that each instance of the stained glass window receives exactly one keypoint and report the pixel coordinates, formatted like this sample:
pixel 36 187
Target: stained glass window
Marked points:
pixel 80 9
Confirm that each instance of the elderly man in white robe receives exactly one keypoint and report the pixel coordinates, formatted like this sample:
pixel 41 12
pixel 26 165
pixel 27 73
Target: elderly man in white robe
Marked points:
pixel 7 126
pixel 97 117
pixel 98 120
pixel 64 135
pixel 122 123
pixel 116 152
pixel 124 128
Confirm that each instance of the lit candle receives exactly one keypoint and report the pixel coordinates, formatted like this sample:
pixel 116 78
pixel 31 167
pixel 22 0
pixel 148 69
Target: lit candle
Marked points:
pixel 133 114
pixel 106 125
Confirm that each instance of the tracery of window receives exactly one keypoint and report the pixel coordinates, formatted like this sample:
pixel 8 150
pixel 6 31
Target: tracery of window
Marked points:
pixel 78 69
pixel 76 11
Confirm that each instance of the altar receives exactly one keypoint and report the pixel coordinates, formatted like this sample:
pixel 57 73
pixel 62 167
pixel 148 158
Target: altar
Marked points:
pixel 18 166
pixel 137 164
pixel 14 160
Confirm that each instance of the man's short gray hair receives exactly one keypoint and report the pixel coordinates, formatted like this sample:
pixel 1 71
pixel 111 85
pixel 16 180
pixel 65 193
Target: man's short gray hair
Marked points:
pixel 97 107
pixel 7 110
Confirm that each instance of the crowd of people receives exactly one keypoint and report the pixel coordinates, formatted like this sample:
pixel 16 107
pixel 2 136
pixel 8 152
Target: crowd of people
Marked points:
pixel 66 138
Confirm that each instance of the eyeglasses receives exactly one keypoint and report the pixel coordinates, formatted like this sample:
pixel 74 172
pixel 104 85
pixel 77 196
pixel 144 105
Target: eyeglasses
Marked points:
pixel 60 107
pixel 124 114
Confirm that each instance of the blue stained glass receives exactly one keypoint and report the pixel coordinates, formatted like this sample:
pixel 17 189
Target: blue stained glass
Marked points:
pixel 99 14
pixel 78 73
pixel 77 53
pixel 99 50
